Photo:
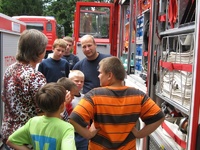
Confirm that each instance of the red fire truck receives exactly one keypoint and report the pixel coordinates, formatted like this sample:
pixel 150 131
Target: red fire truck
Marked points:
pixel 46 24
pixel 158 43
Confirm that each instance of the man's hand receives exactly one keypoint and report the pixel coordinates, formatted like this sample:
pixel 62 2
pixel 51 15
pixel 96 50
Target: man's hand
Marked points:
pixel 83 131
pixel 93 130
pixel 135 132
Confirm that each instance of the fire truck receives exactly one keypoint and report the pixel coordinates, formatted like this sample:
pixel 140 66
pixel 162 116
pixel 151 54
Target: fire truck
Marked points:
pixel 45 24
pixel 158 43
pixel 10 31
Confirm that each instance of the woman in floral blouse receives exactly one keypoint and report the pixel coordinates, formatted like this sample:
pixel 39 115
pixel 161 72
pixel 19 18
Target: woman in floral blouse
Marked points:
pixel 21 82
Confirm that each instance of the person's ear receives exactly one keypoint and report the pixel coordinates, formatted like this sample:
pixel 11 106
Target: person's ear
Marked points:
pixel 62 107
pixel 110 75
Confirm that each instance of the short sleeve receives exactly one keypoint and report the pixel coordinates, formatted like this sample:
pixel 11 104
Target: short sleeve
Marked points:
pixel 21 136
pixel 68 141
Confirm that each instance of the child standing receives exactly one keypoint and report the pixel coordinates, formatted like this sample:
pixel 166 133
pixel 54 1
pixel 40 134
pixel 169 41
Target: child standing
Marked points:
pixel 48 131
pixel 72 90
pixel 77 77
pixel 54 68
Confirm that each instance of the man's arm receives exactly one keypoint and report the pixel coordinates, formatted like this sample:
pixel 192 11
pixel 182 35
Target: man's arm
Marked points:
pixel 148 129
pixel 17 147
pixel 83 131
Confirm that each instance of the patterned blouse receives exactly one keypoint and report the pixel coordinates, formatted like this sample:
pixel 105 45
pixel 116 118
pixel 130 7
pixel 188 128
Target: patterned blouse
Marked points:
pixel 20 84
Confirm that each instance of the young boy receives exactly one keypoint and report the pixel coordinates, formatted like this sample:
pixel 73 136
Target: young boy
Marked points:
pixel 55 67
pixel 77 77
pixel 72 89
pixel 48 131
pixel 71 58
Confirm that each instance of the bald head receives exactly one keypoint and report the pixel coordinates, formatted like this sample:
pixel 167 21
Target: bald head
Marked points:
pixel 88 45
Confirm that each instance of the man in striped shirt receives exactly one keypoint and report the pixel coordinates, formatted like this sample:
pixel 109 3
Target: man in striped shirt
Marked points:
pixel 115 109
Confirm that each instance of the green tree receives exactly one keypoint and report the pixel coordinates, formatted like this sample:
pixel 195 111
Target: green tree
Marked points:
pixel 63 11
pixel 21 7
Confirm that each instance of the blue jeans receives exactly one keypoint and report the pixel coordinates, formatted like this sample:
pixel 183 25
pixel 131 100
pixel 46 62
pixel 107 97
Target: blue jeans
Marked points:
pixel 81 142
pixel 5 147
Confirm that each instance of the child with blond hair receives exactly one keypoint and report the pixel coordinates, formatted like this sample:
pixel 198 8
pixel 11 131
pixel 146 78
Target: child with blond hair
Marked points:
pixel 77 77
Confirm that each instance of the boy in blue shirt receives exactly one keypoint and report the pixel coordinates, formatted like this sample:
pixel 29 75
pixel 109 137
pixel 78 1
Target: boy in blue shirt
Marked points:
pixel 55 67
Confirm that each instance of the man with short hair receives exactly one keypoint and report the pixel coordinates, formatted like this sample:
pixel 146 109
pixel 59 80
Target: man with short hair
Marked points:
pixel 90 63
pixel 115 110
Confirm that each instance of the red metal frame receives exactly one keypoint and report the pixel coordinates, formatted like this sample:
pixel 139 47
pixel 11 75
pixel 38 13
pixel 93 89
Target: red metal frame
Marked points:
pixel 195 111
pixel 115 24
pixel 149 52
pixel 196 101
pixel 77 22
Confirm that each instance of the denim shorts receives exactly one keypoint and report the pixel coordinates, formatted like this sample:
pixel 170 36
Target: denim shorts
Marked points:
pixel 81 142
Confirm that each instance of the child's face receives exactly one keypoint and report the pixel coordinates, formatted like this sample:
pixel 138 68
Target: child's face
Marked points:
pixel 58 52
pixel 79 81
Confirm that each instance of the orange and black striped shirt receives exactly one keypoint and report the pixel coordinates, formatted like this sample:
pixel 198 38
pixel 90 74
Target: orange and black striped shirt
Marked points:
pixel 115 111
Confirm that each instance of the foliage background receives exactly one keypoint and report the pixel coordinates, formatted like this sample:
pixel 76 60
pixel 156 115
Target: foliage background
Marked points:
pixel 62 10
